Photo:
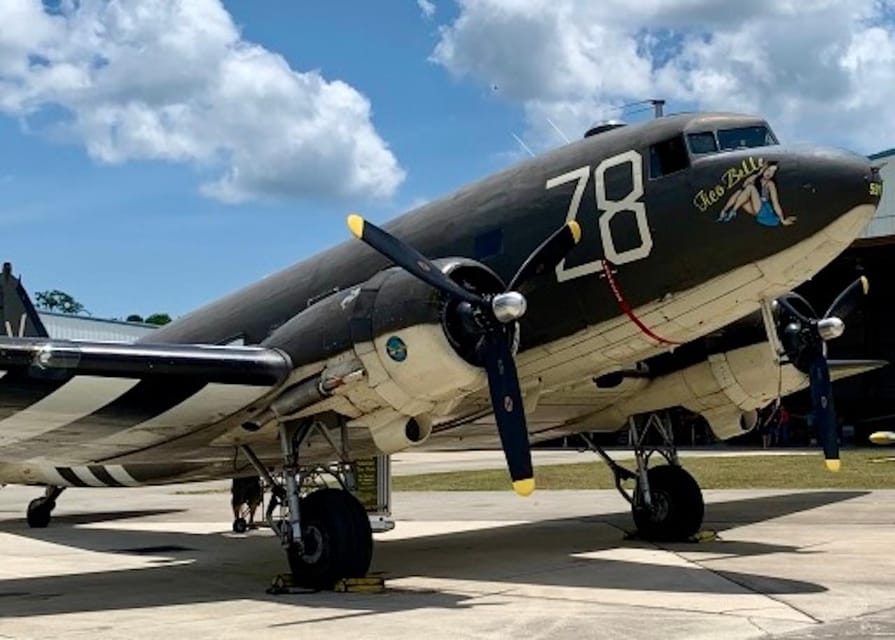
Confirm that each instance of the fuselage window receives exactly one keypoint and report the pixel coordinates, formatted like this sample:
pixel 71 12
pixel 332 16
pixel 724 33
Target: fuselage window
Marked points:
pixel 701 143
pixel 668 156
pixel 745 138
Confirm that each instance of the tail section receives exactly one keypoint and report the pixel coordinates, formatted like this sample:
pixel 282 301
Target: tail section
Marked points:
pixel 18 317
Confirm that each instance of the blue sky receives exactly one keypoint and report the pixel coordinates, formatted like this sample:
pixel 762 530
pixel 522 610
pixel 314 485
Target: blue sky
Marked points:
pixel 139 237
pixel 129 226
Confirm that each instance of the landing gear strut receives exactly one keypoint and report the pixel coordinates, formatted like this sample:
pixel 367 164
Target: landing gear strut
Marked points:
pixel 40 509
pixel 326 532
pixel 666 501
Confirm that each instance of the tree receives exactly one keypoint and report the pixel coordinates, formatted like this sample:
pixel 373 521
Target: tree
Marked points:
pixel 134 318
pixel 158 318
pixel 60 301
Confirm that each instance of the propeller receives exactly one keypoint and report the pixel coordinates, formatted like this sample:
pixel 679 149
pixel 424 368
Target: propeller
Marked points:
pixel 804 337
pixel 490 320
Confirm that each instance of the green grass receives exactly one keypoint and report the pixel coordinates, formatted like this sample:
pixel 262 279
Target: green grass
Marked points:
pixel 861 469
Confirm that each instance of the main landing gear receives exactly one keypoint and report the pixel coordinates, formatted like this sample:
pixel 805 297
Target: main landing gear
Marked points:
pixel 40 510
pixel 666 502
pixel 325 531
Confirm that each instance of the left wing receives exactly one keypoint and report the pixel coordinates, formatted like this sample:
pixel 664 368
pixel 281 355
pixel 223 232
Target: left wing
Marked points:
pixel 55 359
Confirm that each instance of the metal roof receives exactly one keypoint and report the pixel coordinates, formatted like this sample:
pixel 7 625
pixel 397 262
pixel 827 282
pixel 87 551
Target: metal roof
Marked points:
pixel 70 327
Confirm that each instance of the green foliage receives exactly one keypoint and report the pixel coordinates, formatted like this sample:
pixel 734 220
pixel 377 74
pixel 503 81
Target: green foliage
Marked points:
pixel 134 318
pixel 158 318
pixel 58 301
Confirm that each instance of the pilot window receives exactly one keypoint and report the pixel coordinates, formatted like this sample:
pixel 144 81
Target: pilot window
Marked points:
pixel 745 138
pixel 668 156
pixel 701 143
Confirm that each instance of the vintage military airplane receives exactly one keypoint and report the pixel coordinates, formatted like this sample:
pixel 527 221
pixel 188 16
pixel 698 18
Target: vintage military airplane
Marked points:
pixel 563 295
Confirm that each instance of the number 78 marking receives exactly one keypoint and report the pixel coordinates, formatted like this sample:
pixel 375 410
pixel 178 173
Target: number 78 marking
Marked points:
pixel 610 208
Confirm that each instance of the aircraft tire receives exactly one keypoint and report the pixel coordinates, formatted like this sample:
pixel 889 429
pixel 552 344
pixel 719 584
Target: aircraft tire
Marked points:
pixel 240 525
pixel 677 510
pixel 337 537
pixel 39 513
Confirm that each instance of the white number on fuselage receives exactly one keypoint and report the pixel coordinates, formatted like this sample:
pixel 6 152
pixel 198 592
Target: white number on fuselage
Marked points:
pixel 609 209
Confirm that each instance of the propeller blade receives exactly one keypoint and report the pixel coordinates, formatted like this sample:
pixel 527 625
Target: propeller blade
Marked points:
pixel 545 258
pixel 509 413
pixel 824 414
pixel 784 302
pixel 850 298
pixel 408 258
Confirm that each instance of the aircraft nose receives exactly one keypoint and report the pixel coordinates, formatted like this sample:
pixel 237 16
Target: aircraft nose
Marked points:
pixel 831 190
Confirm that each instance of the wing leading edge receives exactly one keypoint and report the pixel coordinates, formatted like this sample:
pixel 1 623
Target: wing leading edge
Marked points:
pixel 44 358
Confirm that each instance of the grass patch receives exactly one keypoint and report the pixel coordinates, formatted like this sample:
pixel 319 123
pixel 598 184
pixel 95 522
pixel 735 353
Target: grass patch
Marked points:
pixel 861 469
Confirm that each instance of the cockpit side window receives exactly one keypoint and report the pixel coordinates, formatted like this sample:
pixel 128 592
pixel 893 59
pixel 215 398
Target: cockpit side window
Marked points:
pixel 668 156
pixel 745 137
pixel 703 142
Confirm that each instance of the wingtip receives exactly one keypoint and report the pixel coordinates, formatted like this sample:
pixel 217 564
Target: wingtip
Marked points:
pixel 356 224
pixel 833 465
pixel 524 487
pixel 575 228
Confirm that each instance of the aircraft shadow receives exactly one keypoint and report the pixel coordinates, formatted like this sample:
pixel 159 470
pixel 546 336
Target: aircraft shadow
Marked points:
pixel 592 552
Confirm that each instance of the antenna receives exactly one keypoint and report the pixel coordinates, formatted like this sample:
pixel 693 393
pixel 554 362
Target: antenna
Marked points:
pixel 523 145
pixel 558 130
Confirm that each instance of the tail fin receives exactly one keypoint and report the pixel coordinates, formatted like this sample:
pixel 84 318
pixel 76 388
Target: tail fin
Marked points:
pixel 18 317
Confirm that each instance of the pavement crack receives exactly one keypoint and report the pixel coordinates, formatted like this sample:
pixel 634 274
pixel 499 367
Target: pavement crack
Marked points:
pixel 743 585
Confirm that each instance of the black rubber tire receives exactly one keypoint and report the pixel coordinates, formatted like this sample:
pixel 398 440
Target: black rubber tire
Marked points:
pixel 240 525
pixel 39 512
pixel 678 508
pixel 338 540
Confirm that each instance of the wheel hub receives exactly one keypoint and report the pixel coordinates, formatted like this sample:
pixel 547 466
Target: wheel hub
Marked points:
pixel 313 544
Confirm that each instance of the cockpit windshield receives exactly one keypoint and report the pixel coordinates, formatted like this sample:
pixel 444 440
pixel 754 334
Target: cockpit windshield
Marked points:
pixel 745 138
pixel 705 142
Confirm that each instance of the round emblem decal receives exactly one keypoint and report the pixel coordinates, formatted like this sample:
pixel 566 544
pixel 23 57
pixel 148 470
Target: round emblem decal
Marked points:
pixel 396 349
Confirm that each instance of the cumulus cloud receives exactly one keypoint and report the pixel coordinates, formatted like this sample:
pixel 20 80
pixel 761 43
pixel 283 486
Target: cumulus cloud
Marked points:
pixel 820 69
pixel 427 7
pixel 174 80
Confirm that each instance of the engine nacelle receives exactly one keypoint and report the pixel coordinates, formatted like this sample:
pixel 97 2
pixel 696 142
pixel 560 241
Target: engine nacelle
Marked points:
pixel 400 329
pixel 727 389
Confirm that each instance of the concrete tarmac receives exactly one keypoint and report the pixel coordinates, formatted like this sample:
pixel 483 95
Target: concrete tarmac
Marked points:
pixel 161 562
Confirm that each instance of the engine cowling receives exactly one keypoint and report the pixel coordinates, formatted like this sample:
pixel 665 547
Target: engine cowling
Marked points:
pixel 416 354
pixel 727 389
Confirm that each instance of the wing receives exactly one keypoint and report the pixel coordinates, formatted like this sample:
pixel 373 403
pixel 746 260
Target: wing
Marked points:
pixel 60 359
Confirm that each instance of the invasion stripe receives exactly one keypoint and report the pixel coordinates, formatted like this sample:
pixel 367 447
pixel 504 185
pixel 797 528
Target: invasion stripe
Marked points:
pixel 121 474
pixel 87 476
pixel 145 399
pixel 80 397
pixel 70 477
pixel 104 476
pixel 19 391
pixel 213 403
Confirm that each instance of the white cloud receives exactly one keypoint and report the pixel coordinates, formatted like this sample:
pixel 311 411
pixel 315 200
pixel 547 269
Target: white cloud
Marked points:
pixel 821 70
pixel 173 80
pixel 427 7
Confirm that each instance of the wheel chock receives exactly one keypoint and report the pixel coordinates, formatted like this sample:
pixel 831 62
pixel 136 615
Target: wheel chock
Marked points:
pixel 369 584
pixel 282 584
pixel 706 535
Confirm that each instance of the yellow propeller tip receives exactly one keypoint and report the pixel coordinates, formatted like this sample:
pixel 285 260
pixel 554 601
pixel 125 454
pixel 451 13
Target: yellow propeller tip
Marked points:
pixel 524 487
pixel 356 224
pixel 865 284
pixel 882 437
pixel 575 228
pixel 833 465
